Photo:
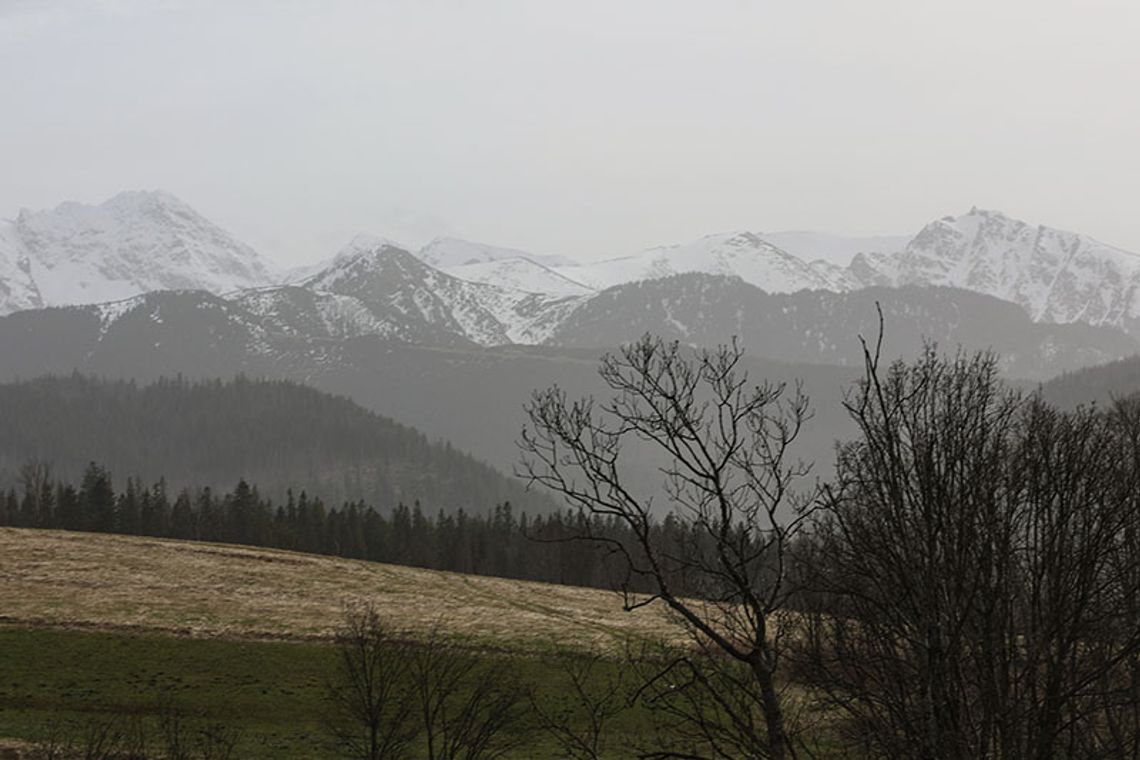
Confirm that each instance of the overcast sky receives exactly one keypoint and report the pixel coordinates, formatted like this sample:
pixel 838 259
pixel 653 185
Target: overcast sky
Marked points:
pixel 582 128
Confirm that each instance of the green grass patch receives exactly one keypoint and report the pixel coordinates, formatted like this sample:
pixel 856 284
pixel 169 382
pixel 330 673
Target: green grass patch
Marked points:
pixel 273 693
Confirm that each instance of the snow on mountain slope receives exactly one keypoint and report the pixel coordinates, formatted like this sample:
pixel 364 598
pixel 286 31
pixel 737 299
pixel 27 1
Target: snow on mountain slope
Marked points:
pixel 18 290
pixel 447 252
pixel 1056 276
pixel 134 243
pixel 742 254
pixel 519 274
pixel 458 292
pixel 422 303
pixel 303 313
pixel 363 241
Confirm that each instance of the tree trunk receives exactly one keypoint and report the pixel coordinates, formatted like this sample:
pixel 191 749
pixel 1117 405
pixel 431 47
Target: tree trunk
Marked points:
pixel 773 714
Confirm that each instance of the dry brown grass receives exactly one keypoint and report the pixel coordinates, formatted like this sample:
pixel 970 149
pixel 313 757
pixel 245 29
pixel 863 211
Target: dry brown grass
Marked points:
pixel 59 578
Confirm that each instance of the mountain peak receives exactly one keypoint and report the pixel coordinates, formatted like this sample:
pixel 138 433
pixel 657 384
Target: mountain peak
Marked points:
pixel 747 237
pixel 366 243
pixel 988 213
pixel 365 261
pixel 1054 275
pixel 132 243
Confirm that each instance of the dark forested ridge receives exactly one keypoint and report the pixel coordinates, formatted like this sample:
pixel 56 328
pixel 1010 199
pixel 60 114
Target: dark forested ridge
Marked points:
pixel 822 327
pixel 1098 384
pixel 278 434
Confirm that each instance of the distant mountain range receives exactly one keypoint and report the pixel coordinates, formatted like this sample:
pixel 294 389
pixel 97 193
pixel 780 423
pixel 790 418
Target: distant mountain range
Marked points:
pixel 1047 301
pixel 139 242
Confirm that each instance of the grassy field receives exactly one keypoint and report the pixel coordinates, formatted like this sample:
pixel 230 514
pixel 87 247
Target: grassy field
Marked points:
pixel 97 626
pixel 133 584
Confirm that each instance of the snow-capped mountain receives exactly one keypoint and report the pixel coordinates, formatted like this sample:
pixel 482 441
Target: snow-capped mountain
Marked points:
pixel 133 243
pixel 362 241
pixel 420 303
pixel 459 292
pixel 746 255
pixel 1056 276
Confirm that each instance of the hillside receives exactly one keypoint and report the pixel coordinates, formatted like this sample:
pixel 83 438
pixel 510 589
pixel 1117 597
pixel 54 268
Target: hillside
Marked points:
pixel 823 327
pixel 279 435
pixel 108 582
pixel 1100 384
pixel 102 631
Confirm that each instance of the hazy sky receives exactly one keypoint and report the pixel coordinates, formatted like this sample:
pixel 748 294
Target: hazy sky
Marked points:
pixel 583 128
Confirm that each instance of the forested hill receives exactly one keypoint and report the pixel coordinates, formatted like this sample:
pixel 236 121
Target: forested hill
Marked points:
pixel 278 434
pixel 1098 384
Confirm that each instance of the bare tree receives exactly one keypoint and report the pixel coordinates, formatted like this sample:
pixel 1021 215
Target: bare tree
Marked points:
pixel 132 737
pixel 373 714
pixel 972 570
pixel 728 476
pixel 464 704
pixel 595 694
pixel 35 478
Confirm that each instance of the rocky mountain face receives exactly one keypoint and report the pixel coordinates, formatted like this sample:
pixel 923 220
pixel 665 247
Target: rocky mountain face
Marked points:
pixel 404 298
pixel 134 243
pixel 1055 276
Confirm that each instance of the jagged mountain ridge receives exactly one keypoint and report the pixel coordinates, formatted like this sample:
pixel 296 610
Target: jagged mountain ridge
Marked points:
pixel 1054 275
pixel 454 290
pixel 259 331
pixel 134 243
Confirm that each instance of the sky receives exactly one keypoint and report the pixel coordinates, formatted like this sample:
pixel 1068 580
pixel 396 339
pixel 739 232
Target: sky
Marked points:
pixel 583 128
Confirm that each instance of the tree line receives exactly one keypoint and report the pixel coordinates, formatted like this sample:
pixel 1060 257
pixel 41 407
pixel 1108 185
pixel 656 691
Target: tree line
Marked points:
pixel 501 542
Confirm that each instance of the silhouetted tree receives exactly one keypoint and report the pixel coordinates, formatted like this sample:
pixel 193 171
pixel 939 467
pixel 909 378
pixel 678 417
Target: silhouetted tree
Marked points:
pixel 464 702
pixel 975 570
pixel 372 717
pixel 729 481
